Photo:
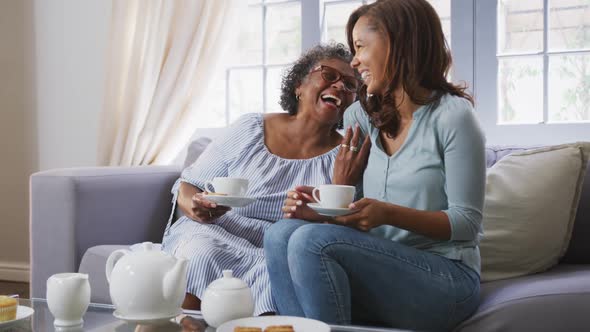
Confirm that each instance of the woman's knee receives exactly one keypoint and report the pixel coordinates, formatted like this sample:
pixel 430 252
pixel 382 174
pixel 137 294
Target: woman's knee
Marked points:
pixel 317 236
pixel 278 234
pixel 309 237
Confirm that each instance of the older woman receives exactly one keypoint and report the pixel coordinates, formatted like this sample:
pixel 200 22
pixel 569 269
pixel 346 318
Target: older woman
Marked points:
pixel 275 152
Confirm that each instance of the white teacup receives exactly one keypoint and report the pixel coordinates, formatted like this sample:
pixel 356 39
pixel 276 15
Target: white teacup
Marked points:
pixel 227 186
pixel 68 297
pixel 334 195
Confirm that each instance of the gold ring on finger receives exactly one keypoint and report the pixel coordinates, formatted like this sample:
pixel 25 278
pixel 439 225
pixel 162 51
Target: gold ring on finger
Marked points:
pixel 354 148
pixel 344 145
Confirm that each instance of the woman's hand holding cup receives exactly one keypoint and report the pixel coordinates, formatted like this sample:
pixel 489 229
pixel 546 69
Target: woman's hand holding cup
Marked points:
pixel 295 205
pixel 205 211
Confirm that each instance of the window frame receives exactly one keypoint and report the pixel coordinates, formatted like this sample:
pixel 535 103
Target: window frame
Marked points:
pixel 312 25
pixel 475 63
pixel 486 88
pixel 265 66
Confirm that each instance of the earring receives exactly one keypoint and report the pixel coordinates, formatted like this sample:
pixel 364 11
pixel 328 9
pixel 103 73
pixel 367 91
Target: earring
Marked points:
pixel 298 97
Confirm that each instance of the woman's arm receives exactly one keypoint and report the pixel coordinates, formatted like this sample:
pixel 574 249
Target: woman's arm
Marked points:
pixel 185 195
pixel 350 165
pixel 196 206
pixel 213 162
pixel 463 145
pixel 372 213
pixel 433 224
pixel 463 151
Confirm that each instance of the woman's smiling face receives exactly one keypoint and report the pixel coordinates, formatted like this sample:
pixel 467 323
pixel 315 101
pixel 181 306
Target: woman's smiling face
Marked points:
pixel 328 99
pixel 370 46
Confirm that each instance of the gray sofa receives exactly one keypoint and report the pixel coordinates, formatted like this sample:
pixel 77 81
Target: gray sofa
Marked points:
pixel 79 216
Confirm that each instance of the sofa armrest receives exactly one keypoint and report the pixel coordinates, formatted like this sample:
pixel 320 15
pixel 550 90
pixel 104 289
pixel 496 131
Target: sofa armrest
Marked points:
pixel 74 209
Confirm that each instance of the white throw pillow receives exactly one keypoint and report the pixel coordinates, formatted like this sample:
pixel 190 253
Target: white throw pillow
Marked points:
pixel 529 211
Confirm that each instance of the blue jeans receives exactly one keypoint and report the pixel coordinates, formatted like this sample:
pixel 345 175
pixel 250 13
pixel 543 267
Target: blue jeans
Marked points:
pixel 340 275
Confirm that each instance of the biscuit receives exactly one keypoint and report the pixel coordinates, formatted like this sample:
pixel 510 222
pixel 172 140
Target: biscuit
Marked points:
pixel 279 328
pixel 247 329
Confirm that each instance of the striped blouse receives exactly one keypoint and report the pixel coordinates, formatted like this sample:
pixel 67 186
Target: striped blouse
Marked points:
pixel 234 241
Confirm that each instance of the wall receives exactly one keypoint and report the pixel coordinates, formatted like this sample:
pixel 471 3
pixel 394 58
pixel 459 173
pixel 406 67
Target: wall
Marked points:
pixel 51 83
pixel 71 44
pixel 17 135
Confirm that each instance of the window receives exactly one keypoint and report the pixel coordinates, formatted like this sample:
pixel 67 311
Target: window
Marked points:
pixel 273 34
pixel 335 17
pixel 533 82
pixel 544 47
pixel 269 39
pixel 526 61
pixel 336 12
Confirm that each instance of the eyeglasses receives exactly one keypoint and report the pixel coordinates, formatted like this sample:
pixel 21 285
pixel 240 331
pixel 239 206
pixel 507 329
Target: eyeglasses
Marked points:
pixel 332 75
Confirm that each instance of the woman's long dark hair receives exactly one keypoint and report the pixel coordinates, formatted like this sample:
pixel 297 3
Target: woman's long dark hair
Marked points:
pixel 418 57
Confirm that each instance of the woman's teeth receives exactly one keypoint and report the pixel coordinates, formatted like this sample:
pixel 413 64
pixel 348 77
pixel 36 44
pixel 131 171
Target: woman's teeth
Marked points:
pixel 365 75
pixel 332 98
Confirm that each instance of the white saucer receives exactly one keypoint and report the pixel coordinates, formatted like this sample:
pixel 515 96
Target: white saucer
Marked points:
pixel 299 324
pixel 22 312
pixel 143 320
pixel 232 201
pixel 331 212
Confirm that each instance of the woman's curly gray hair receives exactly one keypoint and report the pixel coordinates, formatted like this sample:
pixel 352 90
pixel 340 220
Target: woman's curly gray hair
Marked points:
pixel 294 76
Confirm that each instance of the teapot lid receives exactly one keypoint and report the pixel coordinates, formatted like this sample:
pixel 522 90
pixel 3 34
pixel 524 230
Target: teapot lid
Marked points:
pixel 228 282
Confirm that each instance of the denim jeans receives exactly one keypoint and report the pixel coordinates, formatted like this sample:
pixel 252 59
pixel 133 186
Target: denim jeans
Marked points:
pixel 340 275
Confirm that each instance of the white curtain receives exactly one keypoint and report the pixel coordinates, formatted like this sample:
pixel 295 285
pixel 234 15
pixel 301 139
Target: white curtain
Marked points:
pixel 160 58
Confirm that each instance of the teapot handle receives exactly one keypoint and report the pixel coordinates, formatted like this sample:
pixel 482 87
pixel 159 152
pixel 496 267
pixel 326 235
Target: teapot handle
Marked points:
pixel 113 259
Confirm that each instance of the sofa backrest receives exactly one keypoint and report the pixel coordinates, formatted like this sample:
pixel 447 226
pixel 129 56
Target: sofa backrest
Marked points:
pixel 578 251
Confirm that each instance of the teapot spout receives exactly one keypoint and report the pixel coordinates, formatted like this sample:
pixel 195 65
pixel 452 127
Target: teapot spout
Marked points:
pixel 175 281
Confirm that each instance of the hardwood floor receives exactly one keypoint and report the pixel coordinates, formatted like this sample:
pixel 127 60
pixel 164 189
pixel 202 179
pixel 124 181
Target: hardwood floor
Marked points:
pixel 9 288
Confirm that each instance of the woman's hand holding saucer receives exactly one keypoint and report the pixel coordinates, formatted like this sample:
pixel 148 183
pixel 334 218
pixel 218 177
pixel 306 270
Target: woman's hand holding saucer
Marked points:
pixel 352 158
pixel 295 205
pixel 205 211
pixel 369 213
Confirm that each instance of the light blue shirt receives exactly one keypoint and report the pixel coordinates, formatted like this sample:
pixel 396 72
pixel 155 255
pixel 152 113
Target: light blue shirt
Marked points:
pixel 439 167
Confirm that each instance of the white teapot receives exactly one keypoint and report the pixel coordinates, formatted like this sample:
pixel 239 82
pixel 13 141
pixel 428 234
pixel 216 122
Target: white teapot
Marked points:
pixel 226 299
pixel 147 283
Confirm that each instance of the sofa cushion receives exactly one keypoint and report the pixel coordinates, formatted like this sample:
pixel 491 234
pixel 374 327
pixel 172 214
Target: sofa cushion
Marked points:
pixel 94 264
pixel 578 251
pixel 556 300
pixel 194 150
pixel 530 206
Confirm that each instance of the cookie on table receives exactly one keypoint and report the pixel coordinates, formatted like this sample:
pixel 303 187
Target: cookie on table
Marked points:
pixel 279 328
pixel 247 329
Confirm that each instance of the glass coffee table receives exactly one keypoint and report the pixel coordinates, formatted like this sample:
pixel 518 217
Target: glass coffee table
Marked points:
pixel 99 318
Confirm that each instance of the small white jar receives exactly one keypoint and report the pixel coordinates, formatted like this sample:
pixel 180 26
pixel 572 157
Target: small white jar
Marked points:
pixel 68 297
pixel 226 299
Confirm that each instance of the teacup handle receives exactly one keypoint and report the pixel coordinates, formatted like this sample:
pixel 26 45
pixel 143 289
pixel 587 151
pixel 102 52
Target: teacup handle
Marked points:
pixel 112 260
pixel 206 187
pixel 315 194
